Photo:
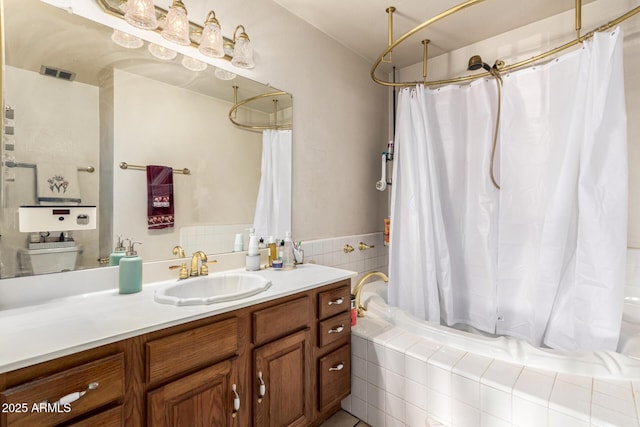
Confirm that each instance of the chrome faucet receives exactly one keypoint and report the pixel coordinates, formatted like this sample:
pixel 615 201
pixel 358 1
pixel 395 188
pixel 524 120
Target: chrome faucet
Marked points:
pixel 204 269
pixel 358 289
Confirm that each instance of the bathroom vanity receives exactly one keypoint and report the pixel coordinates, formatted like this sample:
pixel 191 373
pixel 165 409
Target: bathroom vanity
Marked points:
pixel 280 358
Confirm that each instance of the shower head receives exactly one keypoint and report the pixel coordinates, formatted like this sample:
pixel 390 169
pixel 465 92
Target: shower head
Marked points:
pixel 475 63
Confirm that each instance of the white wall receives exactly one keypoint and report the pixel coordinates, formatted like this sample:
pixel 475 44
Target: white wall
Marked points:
pixel 340 118
pixel 528 41
pixel 224 160
pixel 45 125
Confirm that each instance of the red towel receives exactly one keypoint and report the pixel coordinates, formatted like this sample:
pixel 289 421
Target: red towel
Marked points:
pixel 159 197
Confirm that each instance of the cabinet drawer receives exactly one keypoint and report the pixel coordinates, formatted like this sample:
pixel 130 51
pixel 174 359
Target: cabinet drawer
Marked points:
pixel 45 400
pixel 110 418
pixel 334 329
pixel 334 371
pixel 187 350
pixel 334 301
pixel 275 322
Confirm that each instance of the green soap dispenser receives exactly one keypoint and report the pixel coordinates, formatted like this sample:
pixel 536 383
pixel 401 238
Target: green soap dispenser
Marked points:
pixel 118 252
pixel 130 271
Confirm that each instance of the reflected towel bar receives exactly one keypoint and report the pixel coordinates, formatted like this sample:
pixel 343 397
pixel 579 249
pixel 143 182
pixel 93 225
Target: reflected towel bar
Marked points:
pixel 125 165
pixel 10 164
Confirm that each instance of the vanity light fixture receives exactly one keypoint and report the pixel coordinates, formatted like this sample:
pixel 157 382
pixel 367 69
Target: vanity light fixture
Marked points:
pixel 126 40
pixel 141 14
pixel 193 64
pixel 243 50
pixel 176 27
pixel 161 52
pixel 211 43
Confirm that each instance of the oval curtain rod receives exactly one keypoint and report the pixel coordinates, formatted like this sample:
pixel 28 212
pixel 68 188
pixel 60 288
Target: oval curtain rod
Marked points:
pixel 579 39
pixel 257 128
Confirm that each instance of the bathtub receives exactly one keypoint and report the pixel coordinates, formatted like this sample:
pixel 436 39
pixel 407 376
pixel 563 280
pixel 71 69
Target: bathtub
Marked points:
pixel 624 364
pixel 409 372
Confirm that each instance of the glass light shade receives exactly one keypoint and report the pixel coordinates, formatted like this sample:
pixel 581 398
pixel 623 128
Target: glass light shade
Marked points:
pixel 243 53
pixel 176 29
pixel 126 40
pixel 141 14
pixel 211 41
pixel 224 74
pixel 193 64
pixel 161 52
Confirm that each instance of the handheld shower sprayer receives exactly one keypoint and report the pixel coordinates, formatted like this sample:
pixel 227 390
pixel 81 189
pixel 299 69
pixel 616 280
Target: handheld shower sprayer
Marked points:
pixel 382 184
pixel 476 63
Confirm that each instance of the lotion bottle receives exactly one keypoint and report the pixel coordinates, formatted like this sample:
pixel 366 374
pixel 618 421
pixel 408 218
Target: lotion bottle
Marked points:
pixel 288 260
pixel 253 254
pixel 130 271
pixel 118 252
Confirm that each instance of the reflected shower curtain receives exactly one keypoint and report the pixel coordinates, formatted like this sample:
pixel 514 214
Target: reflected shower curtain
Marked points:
pixel 273 207
pixel 543 258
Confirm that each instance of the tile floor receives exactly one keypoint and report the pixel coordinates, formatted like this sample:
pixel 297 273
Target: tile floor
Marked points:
pixel 343 419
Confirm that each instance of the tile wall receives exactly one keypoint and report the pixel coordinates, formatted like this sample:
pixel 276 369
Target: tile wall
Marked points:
pixel 401 379
pixel 212 239
pixel 331 252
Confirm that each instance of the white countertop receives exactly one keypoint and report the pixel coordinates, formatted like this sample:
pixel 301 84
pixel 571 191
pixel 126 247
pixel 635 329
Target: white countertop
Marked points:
pixel 42 332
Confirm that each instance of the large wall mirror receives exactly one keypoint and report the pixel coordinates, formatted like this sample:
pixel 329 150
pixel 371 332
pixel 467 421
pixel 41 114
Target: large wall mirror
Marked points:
pixel 78 103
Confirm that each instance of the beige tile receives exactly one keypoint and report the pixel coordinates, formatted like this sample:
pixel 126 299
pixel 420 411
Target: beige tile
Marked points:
pixel 341 419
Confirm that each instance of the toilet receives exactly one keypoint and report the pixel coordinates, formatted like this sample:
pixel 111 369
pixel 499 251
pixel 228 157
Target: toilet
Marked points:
pixel 52 254
pixel 50 260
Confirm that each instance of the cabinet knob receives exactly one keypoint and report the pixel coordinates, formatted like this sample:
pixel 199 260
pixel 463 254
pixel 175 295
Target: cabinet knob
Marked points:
pixel 336 301
pixel 338 367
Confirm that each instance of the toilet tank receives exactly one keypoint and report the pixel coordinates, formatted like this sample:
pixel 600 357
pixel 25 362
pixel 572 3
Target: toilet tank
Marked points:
pixel 53 260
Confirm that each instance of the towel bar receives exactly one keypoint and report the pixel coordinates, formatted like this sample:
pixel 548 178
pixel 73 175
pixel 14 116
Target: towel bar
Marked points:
pixel 11 164
pixel 125 165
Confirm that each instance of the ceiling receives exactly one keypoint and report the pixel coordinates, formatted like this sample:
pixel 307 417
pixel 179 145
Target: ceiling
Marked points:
pixel 361 25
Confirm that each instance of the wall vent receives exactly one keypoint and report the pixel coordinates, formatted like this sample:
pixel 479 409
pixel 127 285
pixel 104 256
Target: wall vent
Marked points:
pixel 46 70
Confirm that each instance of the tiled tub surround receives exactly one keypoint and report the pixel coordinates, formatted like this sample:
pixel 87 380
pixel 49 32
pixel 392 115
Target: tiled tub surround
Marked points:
pixel 400 378
pixel 331 252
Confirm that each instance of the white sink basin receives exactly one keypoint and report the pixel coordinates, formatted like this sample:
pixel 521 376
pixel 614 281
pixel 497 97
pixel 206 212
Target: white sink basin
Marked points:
pixel 205 290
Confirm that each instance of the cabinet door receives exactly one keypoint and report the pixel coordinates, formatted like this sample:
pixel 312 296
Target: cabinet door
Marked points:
pixel 283 366
pixel 205 398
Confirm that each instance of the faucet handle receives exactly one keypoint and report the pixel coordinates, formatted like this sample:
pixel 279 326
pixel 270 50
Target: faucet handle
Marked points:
pixel 204 270
pixel 363 246
pixel 184 272
pixel 177 250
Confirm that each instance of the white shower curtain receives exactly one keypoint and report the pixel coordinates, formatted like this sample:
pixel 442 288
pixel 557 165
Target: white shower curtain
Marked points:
pixel 273 207
pixel 543 258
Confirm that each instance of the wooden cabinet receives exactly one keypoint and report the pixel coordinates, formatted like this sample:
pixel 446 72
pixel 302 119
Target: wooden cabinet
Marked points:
pixel 334 351
pixel 204 398
pixel 64 395
pixel 279 363
pixel 281 382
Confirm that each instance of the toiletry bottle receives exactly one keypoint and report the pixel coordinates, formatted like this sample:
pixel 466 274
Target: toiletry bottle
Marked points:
pixel 288 260
pixel 130 271
pixel 273 253
pixel 118 252
pixel 253 254
pixel 354 316
pixel 238 245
